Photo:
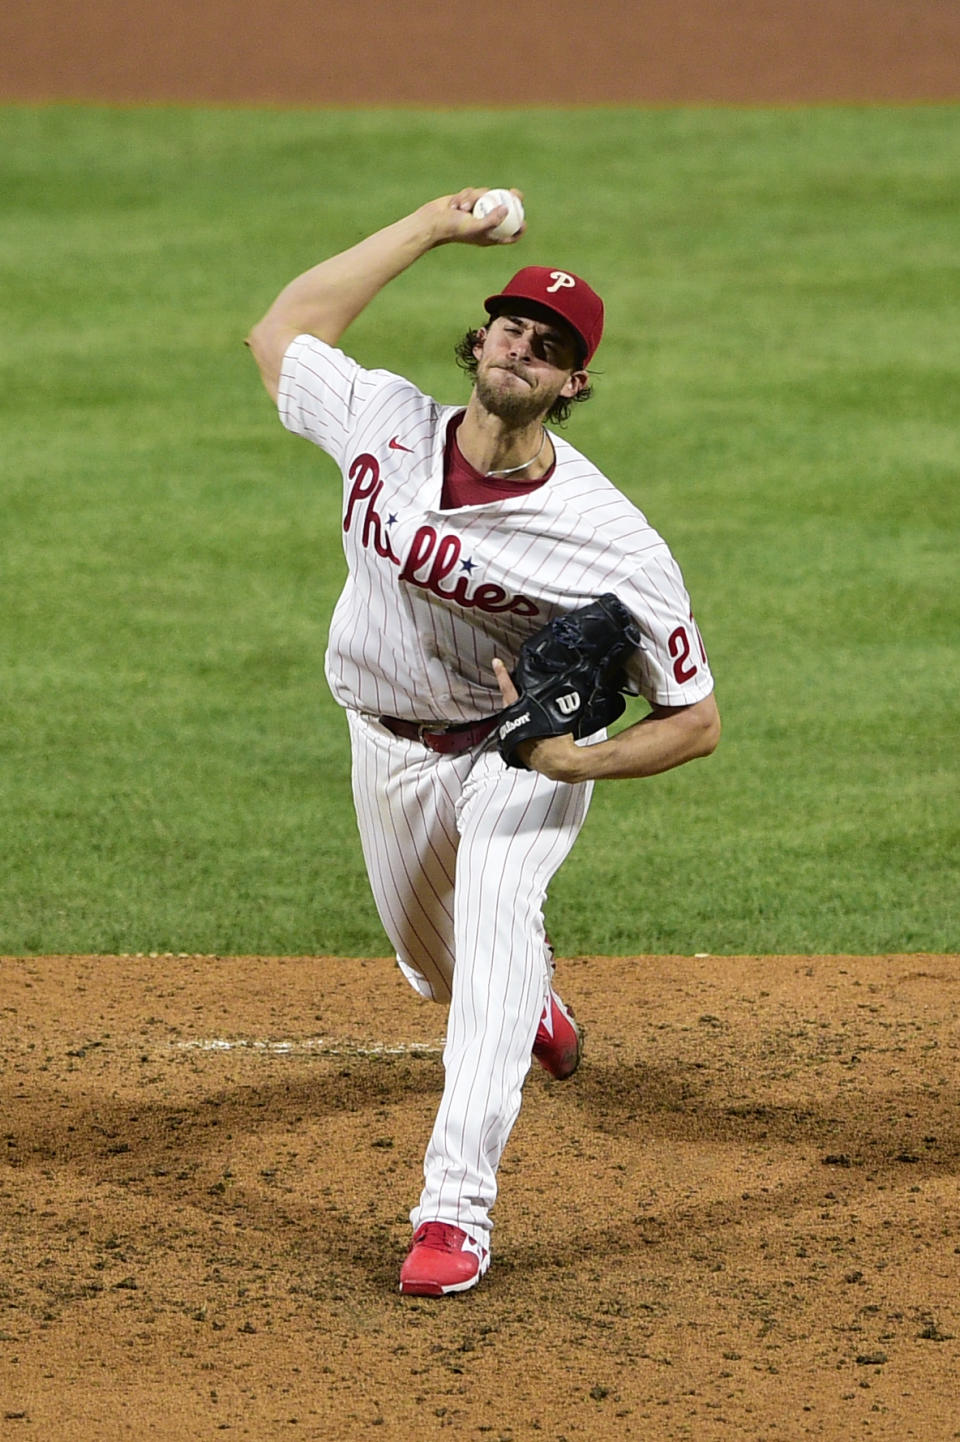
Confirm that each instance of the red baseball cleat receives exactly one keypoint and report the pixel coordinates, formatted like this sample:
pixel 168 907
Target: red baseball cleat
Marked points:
pixel 442 1259
pixel 559 1042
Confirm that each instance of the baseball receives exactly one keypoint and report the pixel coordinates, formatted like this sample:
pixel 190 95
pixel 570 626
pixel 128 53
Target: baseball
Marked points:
pixel 513 219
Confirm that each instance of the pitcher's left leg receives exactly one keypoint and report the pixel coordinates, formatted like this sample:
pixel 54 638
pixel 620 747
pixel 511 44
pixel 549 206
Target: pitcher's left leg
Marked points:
pixel 516 828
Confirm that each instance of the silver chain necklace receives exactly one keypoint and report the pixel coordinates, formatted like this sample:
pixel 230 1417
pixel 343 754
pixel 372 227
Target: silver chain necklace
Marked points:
pixel 512 471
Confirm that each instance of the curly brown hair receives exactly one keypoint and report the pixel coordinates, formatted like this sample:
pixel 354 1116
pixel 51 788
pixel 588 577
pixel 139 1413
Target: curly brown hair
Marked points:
pixel 559 412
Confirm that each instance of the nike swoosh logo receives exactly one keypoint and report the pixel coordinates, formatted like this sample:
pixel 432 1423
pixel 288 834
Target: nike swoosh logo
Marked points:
pixel 395 445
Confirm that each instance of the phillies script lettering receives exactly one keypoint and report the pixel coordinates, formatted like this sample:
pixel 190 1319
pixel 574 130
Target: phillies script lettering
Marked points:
pixel 432 559
pixel 367 485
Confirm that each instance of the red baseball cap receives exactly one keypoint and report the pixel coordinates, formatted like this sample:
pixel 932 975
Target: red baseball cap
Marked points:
pixel 559 291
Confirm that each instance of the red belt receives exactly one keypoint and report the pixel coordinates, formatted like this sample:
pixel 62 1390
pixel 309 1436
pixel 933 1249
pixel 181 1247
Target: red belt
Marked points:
pixel 446 739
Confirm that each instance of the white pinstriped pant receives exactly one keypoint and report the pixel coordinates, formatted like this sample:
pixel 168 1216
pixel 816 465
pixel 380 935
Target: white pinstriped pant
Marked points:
pixel 460 851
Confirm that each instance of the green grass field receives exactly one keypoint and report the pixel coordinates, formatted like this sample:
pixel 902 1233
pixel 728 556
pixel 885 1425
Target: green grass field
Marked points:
pixel 777 391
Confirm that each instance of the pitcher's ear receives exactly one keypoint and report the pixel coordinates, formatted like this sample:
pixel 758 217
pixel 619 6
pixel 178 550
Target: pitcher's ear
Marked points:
pixel 575 384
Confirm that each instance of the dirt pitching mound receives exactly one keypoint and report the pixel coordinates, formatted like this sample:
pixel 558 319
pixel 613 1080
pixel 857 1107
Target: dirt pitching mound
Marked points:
pixel 740 1218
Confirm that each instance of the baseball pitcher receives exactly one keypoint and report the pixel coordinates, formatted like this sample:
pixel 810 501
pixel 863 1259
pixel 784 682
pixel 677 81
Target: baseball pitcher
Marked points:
pixel 501 598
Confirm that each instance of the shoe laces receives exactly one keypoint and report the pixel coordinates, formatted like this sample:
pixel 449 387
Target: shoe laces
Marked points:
pixel 442 1236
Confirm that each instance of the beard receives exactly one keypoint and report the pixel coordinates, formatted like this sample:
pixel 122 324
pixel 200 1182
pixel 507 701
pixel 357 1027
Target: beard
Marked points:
pixel 514 406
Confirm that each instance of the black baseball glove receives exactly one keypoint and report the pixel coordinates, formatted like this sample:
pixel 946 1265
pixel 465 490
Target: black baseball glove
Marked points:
pixel 570 676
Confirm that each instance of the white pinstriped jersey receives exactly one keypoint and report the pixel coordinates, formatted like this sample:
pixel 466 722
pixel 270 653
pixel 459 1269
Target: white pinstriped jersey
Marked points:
pixel 433 595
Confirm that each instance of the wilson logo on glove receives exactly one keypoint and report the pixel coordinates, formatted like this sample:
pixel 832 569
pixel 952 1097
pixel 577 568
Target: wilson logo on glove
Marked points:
pixel 569 676
pixel 509 726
